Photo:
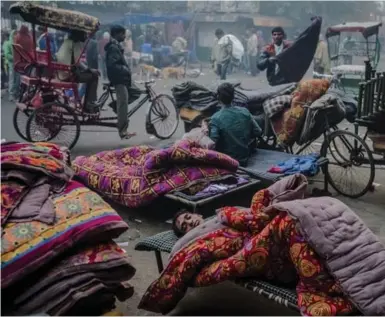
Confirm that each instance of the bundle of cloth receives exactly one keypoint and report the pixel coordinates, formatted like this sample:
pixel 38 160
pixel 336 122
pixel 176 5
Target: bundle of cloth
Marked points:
pixel 58 256
pixel 316 245
pixel 138 175
pixel 299 116
pixel 197 97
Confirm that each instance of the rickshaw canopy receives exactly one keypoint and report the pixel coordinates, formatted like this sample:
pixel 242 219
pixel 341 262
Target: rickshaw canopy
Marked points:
pixel 366 28
pixel 55 18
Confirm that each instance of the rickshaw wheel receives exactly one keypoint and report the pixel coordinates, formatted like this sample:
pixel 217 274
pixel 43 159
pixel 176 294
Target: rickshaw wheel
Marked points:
pixel 162 118
pixel 56 123
pixel 351 168
pixel 20 119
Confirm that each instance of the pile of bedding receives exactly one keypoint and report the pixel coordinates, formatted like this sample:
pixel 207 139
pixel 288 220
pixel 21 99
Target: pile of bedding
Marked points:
pixel 57 251
pixel 300 115
pixel 138 175
pixel 317 245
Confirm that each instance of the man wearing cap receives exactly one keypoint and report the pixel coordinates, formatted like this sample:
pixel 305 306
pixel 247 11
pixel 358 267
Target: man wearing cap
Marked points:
pixel 267 59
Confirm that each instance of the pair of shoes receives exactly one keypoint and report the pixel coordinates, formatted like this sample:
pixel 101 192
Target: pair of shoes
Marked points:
pixel 126 135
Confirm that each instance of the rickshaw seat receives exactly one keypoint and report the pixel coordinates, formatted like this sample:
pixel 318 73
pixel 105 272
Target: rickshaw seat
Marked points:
pixel 58 84
pixel 29 81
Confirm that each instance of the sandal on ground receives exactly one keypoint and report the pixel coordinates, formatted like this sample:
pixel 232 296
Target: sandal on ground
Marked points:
pixel 126 135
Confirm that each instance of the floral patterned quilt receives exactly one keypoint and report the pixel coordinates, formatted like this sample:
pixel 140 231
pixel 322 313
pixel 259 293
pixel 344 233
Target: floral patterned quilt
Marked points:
pixel 137 175
pixel 253 244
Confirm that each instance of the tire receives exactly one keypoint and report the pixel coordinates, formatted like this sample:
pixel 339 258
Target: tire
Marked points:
pixel 20 120
pixel 20 117
pixel 49 124
pixel 358 154
pixel 159 110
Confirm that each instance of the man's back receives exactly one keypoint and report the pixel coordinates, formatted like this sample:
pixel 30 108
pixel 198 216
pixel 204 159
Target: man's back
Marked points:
pixel 233 129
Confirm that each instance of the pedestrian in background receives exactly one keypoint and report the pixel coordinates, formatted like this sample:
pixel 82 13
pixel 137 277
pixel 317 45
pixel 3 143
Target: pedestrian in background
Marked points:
pixel 8 58
pixel 252 51
pixel 102 54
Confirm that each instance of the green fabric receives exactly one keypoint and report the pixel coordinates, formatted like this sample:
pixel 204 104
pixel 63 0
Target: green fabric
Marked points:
pixel 8 50
pixel 233 129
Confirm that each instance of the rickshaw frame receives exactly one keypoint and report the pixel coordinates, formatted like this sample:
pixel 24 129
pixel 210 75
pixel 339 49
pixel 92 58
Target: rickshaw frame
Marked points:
pixel 69 110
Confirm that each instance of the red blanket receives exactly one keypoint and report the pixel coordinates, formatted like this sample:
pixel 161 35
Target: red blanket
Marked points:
pixel 254 244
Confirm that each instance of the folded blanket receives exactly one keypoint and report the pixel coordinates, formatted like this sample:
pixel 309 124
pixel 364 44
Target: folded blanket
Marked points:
pixel 81 216
pixel 278 242
pixel 305 164
pixel 136 176
pixel 104 264
pixel 41 168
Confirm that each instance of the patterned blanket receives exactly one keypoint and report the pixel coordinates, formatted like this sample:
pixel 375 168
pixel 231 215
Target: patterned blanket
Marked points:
pixel 38 160
pixel 288 126
pixel 136 176
pixel 81 217
pixel 253 244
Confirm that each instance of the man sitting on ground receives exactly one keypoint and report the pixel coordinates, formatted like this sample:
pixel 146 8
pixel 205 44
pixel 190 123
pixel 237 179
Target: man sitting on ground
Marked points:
pixel 233 129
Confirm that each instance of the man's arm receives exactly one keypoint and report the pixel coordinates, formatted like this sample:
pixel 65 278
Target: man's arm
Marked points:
pixel 263 61
pixel 256 129
pixel 214 132
pixel 113 63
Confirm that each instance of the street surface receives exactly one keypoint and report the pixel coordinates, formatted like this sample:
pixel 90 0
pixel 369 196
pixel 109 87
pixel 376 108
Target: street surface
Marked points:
pixel 371 208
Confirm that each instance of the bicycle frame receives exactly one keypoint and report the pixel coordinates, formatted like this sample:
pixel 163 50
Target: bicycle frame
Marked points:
pixel 102 121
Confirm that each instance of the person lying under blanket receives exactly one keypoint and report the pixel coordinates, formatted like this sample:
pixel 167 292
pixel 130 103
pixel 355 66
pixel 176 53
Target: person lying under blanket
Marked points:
pixel 311 244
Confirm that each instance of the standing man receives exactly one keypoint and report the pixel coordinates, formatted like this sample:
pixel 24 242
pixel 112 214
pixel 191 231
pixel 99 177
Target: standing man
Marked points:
pixel 102 54
pixel 8 57
pixel 267 59
pixel 119 75
pixel 224 53
pixel 252 51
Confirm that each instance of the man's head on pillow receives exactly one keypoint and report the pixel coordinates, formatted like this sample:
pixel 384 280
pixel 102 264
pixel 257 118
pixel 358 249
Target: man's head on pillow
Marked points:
pixel 184 221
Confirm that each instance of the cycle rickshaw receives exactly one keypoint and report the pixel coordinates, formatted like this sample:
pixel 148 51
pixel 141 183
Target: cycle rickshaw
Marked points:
pixel 350 44
pixel 46 112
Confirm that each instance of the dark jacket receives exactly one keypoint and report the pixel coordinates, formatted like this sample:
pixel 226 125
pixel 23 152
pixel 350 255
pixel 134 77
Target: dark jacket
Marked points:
pixel 118 71
pixel 264 63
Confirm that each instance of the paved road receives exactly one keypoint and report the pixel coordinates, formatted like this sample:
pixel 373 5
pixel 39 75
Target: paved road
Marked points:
pixel 371 207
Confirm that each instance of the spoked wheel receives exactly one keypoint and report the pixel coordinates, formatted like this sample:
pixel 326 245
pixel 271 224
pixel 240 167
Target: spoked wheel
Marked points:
pixel 56 123
pixel 351 165
pixel 20 117
pixel 162 118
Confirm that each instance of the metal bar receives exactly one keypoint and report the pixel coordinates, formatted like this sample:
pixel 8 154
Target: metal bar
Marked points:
pixel 360 96
pixel 371 99
pixel 378 90
pixel 159 260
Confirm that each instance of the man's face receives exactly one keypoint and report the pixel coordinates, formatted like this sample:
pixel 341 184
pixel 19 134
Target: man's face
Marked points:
pixel 120 37
pixel 188 221
pixel 277 38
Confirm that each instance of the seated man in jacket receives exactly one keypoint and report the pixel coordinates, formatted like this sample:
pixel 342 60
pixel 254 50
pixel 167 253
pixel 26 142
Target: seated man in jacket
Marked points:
pixel 69 54
pixel 233 129
pixel 119 75
pixel 267 59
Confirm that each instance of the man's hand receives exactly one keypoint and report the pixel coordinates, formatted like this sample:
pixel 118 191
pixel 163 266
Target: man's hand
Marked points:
pixel 272 60
pixel 94 72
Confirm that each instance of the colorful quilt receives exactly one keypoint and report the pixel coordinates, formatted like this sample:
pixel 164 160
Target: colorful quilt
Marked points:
pixel 253 244
pixel 40 159
pixel 81 216
pixel 288 126
pixel 136 176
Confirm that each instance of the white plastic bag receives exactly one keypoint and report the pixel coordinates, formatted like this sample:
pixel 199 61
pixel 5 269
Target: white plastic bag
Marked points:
pixel 238 49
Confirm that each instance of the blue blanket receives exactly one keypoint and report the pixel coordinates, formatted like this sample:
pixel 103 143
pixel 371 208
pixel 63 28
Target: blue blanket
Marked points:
pixel 306 165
